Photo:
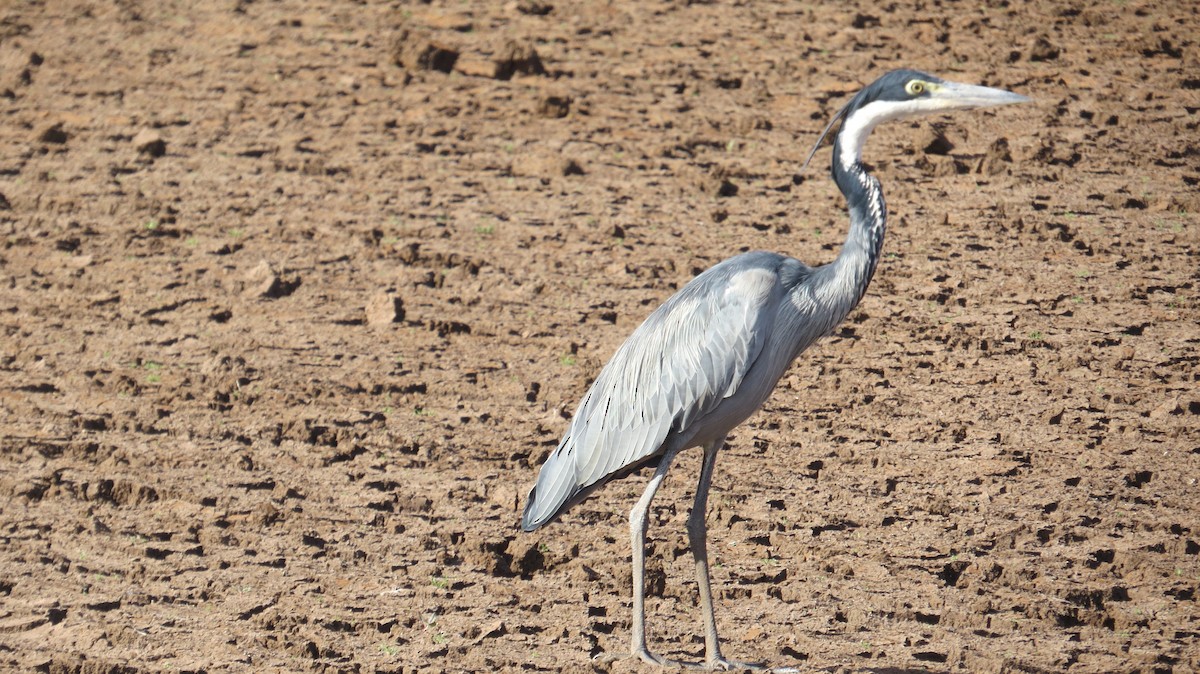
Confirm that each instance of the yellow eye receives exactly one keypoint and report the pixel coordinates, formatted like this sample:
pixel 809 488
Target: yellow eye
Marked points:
pixel 915 88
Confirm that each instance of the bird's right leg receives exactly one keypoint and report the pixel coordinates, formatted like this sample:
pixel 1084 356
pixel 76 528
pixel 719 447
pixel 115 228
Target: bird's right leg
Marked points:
pixel 698 539
pixel 638 523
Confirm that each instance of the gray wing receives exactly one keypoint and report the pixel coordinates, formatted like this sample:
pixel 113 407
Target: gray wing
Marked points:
pixel 689 355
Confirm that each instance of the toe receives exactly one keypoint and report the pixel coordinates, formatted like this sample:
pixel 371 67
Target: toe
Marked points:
pixel 725 665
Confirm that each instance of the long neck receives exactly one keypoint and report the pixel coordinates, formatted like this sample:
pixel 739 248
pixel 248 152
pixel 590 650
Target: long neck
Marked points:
pixel 868 223
pixel 846 278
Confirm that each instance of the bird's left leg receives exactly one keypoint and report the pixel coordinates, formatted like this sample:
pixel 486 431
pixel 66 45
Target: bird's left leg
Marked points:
pixel 638 521
pixel 698 539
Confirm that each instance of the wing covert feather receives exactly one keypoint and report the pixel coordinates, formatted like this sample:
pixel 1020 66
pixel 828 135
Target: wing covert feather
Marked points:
pixel 688 355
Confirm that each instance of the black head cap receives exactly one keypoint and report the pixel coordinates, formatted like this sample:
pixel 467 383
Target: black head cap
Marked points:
pixel 895 85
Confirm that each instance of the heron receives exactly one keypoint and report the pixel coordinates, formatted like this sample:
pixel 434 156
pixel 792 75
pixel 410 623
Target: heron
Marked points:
pixel 709 357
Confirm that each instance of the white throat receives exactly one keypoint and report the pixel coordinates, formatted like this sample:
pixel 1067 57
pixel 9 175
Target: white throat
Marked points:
pixel 859 124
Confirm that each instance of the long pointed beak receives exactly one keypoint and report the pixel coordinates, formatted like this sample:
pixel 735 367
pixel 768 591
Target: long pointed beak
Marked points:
pixel 957 96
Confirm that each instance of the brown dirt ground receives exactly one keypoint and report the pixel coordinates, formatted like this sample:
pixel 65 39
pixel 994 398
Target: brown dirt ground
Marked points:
pixel 223 449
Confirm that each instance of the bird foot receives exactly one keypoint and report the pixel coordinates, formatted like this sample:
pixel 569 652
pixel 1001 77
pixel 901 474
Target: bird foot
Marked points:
pixel 646 656
pixel 720 664
pixel 724 665
pixel 651 659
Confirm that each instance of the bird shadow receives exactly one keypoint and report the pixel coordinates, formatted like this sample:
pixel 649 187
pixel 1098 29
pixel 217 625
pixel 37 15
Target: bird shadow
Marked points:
pixel 602 665
pixel 843 669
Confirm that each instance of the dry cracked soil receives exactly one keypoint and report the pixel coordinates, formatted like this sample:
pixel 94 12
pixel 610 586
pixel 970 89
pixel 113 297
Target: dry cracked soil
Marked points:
pixel 296 296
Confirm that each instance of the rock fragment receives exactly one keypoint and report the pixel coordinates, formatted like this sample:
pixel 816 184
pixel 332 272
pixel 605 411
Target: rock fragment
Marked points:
pixel 554 107
pixel 544 165
pixel 1042 50
pixel 492 630
pixel 715 182
pixel 384 309
pixel 997 158
pixel 416 50
pixel 938 143
pixel 263 281
pixel 150 143
pixel 518 58
pixel 53 133
pixel 533 7
pixel 512 58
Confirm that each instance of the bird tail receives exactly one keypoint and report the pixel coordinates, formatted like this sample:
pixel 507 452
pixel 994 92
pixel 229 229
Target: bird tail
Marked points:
pixel 557 487
pixel 554 489
pixel 529 520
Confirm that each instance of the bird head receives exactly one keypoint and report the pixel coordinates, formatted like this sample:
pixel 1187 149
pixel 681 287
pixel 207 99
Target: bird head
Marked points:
pixel 906 93
pixel 900 94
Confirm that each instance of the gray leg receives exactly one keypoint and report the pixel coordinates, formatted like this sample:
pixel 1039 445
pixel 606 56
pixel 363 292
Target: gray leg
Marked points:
pixel 698 539
pixel 637 532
